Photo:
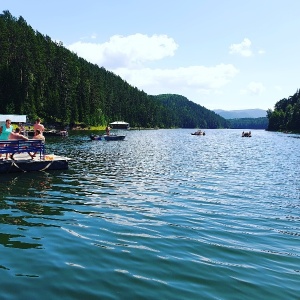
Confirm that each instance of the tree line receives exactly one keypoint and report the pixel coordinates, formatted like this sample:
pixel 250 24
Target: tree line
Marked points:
pixel 41 78
pixel 187 114
pixel 249 123
pixel 286 114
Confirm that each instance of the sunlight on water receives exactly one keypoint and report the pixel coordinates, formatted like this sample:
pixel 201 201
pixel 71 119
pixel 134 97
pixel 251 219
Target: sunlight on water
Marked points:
pixel 160 215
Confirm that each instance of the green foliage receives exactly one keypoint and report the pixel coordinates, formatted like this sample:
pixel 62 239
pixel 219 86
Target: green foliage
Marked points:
pixel 39 77
pixel 180 112
pixel 249 123
pixel 286 114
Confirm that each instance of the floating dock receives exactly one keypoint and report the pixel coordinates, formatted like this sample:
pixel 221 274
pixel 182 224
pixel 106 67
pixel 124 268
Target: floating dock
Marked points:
pixel 22 162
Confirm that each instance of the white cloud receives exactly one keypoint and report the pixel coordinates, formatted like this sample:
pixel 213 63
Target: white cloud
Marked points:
pixel 184 81
pixel 129 56
pixel 130 51
pixel 253 88
pixel 242 49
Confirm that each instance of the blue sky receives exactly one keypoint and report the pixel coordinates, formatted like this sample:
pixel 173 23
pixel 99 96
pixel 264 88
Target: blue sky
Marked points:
pixel 221 54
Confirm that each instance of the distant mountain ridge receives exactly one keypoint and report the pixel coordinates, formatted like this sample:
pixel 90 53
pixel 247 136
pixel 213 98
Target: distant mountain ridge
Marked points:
pixel 243 113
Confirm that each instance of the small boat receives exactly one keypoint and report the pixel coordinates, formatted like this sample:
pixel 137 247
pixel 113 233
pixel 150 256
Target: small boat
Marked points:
pixel 246 134
pixel 199 132
pixel 55 132
pixel 47 133
pixel 105 137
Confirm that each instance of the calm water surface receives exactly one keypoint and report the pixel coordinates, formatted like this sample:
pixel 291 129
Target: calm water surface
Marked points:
pixel 160 215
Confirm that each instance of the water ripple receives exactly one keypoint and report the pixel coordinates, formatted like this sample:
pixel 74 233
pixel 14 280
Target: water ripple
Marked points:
pixel 162 214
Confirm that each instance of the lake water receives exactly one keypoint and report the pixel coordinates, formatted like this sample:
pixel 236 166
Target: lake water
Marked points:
pixel 160 215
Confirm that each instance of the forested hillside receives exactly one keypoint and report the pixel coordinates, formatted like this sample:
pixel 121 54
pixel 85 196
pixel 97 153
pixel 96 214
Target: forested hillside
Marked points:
pixel 188 114
pixel 286 114
pixel 249 123
pixel 41 78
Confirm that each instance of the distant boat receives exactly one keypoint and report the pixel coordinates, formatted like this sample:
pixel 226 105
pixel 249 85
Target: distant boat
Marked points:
pixel 119 125
pixel 46 133
pixel 55 133
pixel 104 137
pixel 246 134
pixel 199 132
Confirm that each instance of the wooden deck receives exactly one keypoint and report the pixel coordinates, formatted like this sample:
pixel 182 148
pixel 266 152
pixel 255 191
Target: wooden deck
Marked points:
pixel 23 162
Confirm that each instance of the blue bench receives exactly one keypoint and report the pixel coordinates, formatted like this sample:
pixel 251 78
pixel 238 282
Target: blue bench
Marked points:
pixel 22 146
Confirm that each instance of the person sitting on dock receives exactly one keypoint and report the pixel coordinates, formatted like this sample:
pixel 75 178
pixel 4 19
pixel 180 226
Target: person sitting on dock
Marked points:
pixel 38 136
pixel 38 126
pixel 16 135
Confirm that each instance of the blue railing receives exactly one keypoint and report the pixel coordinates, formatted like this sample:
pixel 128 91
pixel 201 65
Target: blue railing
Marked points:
pixel 21 146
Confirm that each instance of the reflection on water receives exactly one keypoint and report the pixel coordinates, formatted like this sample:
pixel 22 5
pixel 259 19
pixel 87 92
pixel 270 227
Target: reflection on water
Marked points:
pixel 9 240
pixel 162 213
pixel 23 195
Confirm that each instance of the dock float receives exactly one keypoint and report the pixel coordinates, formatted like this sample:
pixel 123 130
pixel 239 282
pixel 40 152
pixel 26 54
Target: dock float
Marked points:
pixel 22 162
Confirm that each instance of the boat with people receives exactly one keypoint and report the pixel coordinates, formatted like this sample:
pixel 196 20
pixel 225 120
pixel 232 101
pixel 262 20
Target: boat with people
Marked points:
pixel 55 132
pixel 198 132
pixel 107 137
pixel 246 134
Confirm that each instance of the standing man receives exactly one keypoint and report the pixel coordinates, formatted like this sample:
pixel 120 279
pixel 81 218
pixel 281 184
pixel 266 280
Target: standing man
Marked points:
pixel 5 132
pixel 107 130
pixel 38 126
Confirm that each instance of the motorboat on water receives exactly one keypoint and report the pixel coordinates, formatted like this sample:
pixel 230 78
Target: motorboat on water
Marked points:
pixel 105 137
pixel 55 133
pixel 246 134
pixel 198 132
pixel 46 133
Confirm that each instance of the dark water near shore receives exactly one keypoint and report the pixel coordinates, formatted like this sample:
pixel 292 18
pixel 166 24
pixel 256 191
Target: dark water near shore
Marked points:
pixel 160 215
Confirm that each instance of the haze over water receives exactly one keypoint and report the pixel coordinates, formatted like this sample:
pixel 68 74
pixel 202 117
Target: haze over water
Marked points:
pixel 160 215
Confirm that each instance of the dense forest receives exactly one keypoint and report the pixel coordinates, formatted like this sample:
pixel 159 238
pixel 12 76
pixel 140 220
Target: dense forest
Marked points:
pixel 190 115
pixel 41 78
pixel 249 123
pixel 286 114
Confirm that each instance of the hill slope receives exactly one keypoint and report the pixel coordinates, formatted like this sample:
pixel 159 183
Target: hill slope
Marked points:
pixel 249 123
pixel 187 114
pixel 245 113
pixel 41 78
